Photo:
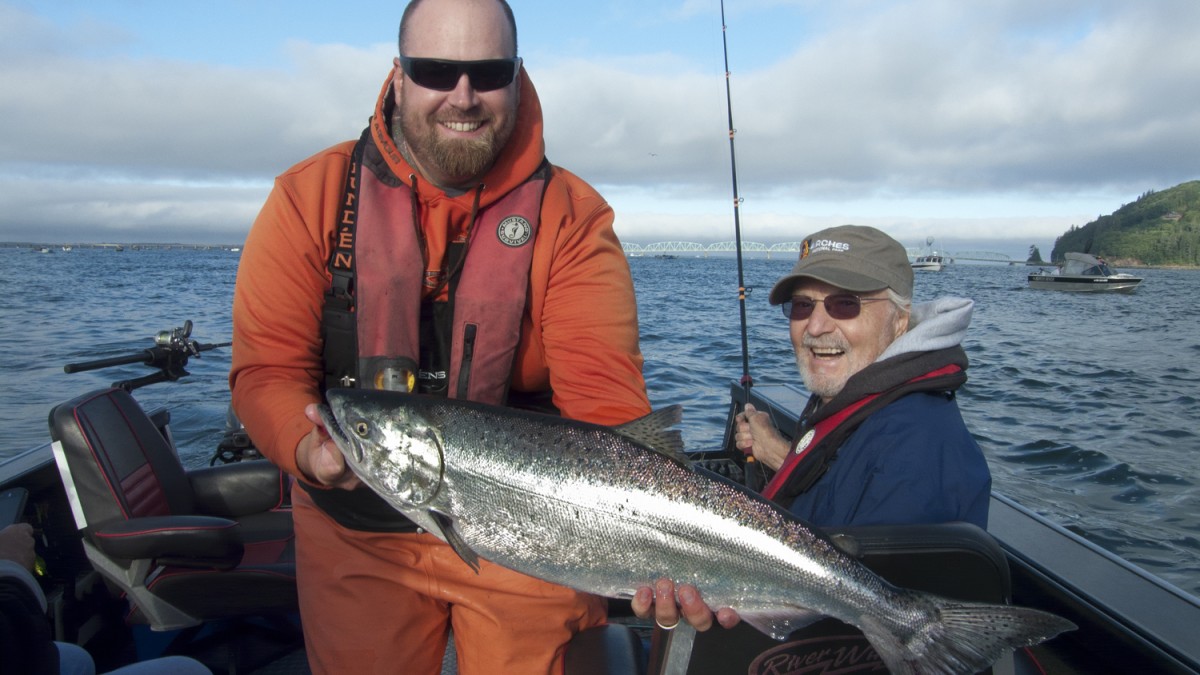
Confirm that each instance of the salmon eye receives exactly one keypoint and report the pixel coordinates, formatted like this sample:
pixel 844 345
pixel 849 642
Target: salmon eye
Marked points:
pixel 361 429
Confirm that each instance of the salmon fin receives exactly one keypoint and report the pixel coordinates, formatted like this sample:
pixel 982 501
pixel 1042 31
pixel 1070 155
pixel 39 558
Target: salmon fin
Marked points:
pixel 963 637
pixel 778 623
pixel 452 537
pixel 654 432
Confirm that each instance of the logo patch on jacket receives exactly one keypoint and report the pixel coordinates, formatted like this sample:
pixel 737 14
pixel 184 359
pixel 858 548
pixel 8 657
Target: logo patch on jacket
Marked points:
pixel 514 231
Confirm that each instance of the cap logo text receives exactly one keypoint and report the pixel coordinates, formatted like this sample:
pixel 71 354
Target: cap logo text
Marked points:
pixel 811 246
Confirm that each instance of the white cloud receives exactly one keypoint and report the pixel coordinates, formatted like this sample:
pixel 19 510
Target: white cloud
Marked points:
pixel 1022 118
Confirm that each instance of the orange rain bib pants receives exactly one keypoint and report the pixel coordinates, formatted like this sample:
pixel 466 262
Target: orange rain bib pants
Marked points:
pixel 410 589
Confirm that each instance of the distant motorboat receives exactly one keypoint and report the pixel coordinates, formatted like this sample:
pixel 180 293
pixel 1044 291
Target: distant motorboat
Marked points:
pixel 1086 273
pixel 929 263
pixel 930 260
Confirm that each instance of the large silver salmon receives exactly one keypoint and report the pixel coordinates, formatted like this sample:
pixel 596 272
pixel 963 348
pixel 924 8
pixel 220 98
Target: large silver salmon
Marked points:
pixel 606 510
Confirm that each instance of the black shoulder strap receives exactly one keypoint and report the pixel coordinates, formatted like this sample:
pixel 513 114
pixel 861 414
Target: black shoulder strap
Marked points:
pixel 339 328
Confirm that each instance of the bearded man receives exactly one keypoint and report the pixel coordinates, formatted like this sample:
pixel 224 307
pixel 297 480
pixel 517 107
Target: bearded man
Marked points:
pixel 442 254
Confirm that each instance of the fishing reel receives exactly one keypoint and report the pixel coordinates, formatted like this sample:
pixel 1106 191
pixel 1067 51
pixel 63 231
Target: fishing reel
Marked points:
pixel 169 356
pixel 176 339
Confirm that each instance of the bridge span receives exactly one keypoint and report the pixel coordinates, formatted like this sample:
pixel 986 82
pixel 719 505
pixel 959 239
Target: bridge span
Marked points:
pixel 985 256
pixel 697 249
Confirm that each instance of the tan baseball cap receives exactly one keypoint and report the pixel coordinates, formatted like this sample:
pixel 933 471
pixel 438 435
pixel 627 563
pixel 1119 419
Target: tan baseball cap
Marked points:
pixel 854 257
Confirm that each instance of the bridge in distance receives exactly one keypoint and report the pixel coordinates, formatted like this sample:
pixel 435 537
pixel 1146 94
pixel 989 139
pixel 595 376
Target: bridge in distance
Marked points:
pixel 790 248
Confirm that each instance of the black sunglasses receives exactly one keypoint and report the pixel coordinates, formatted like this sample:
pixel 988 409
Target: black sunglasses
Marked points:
pixel 443 75
pixel 841 306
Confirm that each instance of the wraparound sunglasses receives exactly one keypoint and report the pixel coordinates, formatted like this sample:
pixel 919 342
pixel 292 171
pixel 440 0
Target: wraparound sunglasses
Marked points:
pixel 442 75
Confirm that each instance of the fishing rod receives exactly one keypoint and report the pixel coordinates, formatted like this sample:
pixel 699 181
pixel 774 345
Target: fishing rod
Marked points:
pixel 752 477
pixel 747 381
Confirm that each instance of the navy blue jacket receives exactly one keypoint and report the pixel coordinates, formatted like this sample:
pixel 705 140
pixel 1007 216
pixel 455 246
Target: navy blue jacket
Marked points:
pixel 912 461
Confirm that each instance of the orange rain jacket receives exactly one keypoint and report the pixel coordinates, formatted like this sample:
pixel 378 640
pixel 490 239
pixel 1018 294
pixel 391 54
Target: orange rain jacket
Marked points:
pixel 579 334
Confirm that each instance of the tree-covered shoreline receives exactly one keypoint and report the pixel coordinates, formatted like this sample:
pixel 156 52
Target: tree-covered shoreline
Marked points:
pixel 1159 229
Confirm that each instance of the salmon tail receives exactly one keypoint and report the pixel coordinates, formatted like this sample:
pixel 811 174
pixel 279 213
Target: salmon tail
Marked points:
pixel 963 637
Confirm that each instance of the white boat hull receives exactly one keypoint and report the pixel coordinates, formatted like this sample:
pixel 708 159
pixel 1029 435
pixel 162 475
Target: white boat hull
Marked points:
pixel 933 262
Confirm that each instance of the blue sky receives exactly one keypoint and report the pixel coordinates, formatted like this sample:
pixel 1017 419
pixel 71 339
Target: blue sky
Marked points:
pixel 989 126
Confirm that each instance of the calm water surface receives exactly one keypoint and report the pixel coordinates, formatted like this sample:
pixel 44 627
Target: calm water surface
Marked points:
pixel 1086 405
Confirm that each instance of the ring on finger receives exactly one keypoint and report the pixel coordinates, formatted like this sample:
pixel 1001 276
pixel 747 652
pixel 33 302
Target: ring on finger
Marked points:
pixel 671 627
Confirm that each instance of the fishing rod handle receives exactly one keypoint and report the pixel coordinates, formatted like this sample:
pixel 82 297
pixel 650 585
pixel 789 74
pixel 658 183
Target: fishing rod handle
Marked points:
pixel 144 356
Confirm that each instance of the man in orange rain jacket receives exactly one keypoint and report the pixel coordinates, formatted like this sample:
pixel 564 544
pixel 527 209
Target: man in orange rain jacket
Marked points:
pixel 441 254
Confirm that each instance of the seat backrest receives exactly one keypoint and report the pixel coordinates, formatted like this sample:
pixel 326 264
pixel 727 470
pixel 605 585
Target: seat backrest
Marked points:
pixel 957 560
pixel 115 461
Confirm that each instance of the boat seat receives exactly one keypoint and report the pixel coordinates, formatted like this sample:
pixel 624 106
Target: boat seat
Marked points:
pixel 183 546
pixel 611 649
pixel 957 560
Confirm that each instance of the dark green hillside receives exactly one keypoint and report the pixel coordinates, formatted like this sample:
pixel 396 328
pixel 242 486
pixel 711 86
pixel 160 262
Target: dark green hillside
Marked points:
pixel 1160 228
